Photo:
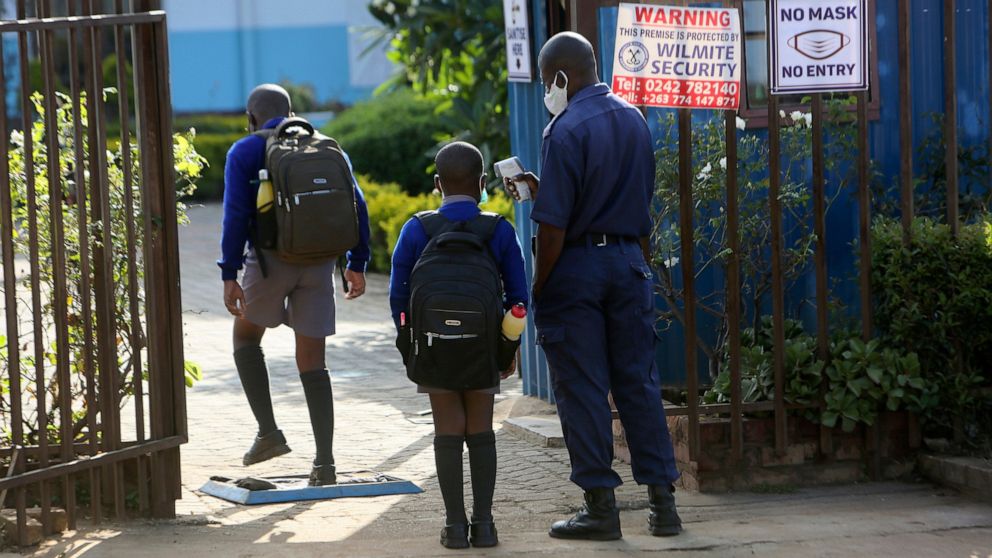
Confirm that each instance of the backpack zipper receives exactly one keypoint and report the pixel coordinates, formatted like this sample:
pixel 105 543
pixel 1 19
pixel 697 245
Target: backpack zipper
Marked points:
pixel 432 336
pixel 297 197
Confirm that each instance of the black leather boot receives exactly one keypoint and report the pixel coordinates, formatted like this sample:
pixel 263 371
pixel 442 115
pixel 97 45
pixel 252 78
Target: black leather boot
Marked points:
pixel 455 535
pixel 663 520
pixel 598 520
pixel 482 533
pixel 323 475
pixel 266 447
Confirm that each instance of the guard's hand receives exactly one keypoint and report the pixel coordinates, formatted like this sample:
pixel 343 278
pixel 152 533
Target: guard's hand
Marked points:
pixel 234 298
pixel 511 370
pixel 528 178
pixel 356 284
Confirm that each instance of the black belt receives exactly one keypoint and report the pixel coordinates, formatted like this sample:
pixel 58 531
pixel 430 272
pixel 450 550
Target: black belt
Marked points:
pixel 599 240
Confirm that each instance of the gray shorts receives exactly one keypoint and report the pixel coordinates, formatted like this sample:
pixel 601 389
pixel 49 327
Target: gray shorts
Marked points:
pixel 300 296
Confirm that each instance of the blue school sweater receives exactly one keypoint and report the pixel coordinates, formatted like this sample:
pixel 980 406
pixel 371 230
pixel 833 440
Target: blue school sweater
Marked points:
pixel 245 158
pixel 413 239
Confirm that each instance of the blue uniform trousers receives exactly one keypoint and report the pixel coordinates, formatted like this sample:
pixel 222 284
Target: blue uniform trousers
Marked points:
pixel 595 322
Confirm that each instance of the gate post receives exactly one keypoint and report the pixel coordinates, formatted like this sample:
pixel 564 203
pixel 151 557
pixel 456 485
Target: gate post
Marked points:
pixel 167 397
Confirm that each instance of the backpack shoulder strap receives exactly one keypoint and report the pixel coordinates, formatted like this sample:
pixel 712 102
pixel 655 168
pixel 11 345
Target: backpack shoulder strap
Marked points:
pixel 484 225
pixel 264 134
pixel 433 222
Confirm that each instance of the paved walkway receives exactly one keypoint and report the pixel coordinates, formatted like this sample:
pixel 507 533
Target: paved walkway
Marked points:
pixel 380 426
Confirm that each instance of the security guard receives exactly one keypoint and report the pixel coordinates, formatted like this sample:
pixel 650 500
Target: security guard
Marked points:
pixel 593 301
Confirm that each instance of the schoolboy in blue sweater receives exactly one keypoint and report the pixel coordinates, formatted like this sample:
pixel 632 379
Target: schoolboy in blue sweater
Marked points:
pixel 462 417
pixel 301 296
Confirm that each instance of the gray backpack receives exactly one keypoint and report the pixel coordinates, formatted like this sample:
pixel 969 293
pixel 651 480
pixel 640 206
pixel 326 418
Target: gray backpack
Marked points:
pixel 316 213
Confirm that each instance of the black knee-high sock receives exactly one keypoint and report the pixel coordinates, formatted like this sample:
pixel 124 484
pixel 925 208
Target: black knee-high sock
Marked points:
pixel 320 403
pixel 448 458
pixel 250 363
pixel 482 462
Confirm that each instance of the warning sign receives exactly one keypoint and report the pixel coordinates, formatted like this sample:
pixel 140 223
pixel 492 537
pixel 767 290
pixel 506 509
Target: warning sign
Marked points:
pixel 818 45
pixel 517 40
pixel 678 57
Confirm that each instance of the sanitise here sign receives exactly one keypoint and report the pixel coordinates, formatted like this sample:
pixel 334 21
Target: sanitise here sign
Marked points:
pixel 678 57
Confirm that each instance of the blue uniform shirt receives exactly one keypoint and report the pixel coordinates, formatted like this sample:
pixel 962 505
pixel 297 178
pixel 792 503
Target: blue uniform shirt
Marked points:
pixel 413 239
pixel 245 158
pixel 597 168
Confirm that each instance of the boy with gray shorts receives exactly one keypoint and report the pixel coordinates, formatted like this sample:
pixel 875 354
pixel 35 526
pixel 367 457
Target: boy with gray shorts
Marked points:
pixel 298 295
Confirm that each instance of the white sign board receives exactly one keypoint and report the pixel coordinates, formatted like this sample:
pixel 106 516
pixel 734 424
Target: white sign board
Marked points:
pixel 517 40
pixel 818 45
pixel 678 57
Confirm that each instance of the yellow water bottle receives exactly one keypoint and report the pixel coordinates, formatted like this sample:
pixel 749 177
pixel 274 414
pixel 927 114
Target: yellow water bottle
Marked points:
pixel 265 198
pixel 265 218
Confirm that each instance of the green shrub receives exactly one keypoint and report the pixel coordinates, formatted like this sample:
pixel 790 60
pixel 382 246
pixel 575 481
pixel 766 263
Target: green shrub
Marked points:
pixel 212 123
pixel 187 165
pixel 862 378
pixel 388 138
pixel 390 208
pixel 936 296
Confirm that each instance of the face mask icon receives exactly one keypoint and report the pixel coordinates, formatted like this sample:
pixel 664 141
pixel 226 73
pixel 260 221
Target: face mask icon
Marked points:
pixel 819 45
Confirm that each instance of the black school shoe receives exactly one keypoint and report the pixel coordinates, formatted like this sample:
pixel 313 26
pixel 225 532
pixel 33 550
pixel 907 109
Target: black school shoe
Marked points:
pixel 266 447
pixel 455 535
pixel 482 534
pixel 323 475
pixel 598 520
pixel 664 520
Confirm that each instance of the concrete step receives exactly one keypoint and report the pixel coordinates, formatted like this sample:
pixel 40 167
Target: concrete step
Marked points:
pixel 541 430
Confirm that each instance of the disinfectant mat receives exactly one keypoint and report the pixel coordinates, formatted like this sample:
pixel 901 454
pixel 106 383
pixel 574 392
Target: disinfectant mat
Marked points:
pixel 294 488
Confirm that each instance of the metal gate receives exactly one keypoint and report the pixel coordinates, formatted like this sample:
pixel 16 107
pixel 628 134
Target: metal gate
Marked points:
pixel 92 368
pixel 587 18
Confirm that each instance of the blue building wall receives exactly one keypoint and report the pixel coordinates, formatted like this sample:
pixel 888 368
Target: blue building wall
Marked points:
pixel 219 50
pixel 927 75
pixel 221 82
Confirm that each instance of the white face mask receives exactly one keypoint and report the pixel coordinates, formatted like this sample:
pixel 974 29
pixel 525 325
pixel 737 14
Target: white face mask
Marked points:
pixel 556 98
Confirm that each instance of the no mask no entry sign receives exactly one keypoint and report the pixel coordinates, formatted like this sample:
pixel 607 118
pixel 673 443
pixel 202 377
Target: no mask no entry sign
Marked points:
pixel 818 45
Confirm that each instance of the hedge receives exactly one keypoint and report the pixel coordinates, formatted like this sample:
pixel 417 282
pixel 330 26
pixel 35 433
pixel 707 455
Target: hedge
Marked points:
pixel 389 138
pixel 213 148
pixel 935 296
pixel 390 208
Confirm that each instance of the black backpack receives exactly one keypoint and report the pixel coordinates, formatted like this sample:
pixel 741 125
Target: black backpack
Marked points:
pixel 456 305
pixel 316 217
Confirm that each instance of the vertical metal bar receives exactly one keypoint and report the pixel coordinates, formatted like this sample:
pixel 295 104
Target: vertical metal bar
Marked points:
pixel 734 291
pixel 686 208
pixel 103 270
pixel 906 149
pixel 906 120
pixel 10 303
pixel 136 334
pixel 41 391
pixel 864 233
pixel 820 230
pixel 170 249
pixel 60 291
pixel 166 394
pixel 85 273
pixel 864 215
pixel 951 113
pixel 778 289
